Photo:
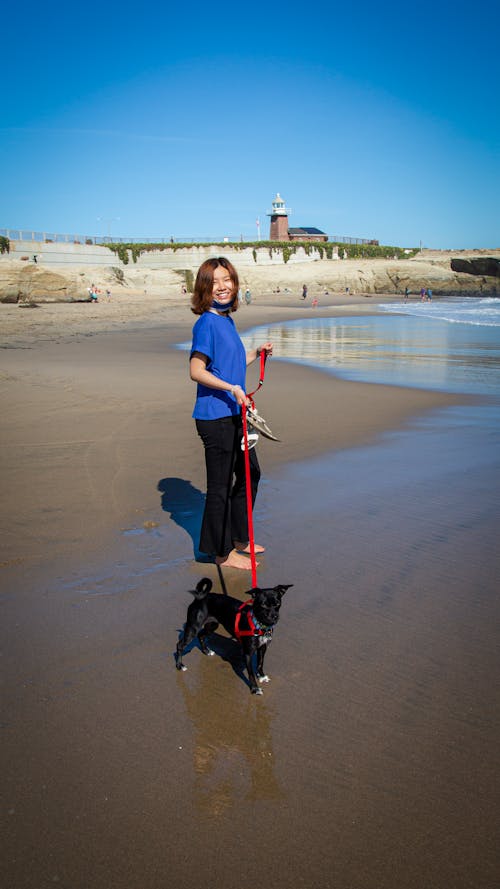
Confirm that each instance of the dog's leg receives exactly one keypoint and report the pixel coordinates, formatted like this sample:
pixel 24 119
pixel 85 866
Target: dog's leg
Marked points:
pixel 210 627
pixel 254 687
pixel 187 637
pixel 261 676
pixel 196 616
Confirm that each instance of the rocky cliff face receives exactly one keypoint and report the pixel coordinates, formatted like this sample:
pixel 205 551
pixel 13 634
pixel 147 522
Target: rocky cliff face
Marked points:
pixel 22 283
pixel 485 266
pixel 375 276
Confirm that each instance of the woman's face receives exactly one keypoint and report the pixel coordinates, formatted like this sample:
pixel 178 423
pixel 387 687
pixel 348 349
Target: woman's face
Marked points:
pixel 223 288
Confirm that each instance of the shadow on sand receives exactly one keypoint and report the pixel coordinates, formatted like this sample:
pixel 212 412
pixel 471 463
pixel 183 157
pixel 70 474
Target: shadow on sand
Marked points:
pixel 185 504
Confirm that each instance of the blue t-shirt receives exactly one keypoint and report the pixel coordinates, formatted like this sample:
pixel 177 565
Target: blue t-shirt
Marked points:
pixel 216 337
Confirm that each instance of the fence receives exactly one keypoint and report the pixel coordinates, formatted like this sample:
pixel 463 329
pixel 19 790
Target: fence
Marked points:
pixel 100 240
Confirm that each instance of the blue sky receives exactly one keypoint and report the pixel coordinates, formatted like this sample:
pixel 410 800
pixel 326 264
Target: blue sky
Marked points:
pixel 376 121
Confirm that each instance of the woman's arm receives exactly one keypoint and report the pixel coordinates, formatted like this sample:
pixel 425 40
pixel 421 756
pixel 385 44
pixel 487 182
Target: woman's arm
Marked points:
pixel 199 373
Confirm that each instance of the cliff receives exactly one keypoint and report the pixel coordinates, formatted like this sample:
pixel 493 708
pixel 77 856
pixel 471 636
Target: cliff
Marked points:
pixel 476 272
pixel 487 266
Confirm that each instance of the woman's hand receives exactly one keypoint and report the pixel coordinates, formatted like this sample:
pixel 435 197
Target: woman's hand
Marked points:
pixel 239 395
pixel 253 354
pixel 267 348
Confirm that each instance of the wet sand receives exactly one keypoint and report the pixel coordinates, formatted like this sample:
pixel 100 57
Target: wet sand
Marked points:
pixel 372 758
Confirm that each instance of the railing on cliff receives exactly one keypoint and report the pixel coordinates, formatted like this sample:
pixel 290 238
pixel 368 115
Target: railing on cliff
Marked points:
pixel 14 234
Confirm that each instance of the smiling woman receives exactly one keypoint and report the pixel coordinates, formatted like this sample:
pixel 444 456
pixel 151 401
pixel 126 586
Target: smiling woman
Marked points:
pixel 218 365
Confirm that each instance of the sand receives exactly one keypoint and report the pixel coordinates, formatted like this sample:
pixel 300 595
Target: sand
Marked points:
pixel 371 759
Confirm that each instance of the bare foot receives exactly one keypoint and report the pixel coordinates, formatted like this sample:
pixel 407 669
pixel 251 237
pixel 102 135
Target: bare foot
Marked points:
pixel 234 560
pixel 245 547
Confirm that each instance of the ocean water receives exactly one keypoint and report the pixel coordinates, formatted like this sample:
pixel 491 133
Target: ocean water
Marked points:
pixel 451 344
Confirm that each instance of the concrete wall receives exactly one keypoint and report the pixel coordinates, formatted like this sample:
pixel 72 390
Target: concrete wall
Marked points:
pixel 62 254
pixel 59 255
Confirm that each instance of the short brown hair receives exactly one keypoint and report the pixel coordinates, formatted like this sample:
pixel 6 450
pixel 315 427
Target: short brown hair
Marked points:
pixel 202 297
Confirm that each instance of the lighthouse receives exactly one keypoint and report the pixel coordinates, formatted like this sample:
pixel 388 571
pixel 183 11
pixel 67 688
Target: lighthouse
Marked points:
pixel 279 220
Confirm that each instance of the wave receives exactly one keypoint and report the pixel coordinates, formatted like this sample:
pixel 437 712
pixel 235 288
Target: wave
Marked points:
pixel 477 312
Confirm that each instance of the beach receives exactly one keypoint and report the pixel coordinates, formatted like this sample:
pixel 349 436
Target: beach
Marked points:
pixel 371 760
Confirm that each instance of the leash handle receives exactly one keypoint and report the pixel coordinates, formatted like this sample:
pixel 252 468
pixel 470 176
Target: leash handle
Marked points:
pixel 248 486
pixel 263 359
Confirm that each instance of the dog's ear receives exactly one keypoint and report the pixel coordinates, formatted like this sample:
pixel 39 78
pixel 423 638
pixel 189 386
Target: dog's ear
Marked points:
pixel 253 592
pixel 282 588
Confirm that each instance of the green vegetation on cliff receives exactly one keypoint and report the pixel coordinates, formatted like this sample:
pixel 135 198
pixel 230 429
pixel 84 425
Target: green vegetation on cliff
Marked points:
pixel 286 248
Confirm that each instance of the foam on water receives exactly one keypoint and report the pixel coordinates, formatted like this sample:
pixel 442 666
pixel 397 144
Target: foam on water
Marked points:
pixel 455 310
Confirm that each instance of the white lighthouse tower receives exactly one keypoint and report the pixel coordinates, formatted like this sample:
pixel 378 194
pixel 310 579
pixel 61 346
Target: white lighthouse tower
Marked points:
pixel 279 220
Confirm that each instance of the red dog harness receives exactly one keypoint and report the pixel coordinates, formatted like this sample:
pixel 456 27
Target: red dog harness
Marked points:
pixel 254 627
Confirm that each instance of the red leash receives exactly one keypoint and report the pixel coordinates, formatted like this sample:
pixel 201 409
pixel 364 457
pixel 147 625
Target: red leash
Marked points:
pixel 263 359
pixel 248 485
pixel 248 482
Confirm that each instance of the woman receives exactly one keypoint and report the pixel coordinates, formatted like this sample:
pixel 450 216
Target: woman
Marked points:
pixel 218 365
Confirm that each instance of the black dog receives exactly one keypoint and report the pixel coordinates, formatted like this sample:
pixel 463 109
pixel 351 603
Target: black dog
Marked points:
pixel 251 623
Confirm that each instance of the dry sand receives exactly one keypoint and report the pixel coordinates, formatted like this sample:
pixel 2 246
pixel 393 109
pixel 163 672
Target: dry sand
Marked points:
pixel 370 761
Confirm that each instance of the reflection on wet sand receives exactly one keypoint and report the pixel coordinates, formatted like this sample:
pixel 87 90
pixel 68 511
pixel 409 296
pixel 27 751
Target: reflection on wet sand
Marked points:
pixel 233 756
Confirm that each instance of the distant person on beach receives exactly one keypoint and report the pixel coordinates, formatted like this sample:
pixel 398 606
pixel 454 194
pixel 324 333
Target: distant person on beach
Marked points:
pixel 429 294
pixel 248 297
pixel 422 294
pixel 304 291
pixel 407 292
pixel 218 365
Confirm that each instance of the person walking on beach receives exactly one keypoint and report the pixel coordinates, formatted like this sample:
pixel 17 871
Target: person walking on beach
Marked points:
pixel 218 363
pixel 248 297
pixel 304 291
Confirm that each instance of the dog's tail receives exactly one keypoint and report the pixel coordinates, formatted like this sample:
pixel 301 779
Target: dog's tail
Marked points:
pixel 203 587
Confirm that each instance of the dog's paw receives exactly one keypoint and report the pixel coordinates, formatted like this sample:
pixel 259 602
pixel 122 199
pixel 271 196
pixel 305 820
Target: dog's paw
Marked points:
pixel 182 667
pixel 257 691
pixel 263 678
pixel 208 652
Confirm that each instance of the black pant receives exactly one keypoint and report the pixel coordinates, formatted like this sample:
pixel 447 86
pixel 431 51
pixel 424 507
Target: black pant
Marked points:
pixel 225 516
